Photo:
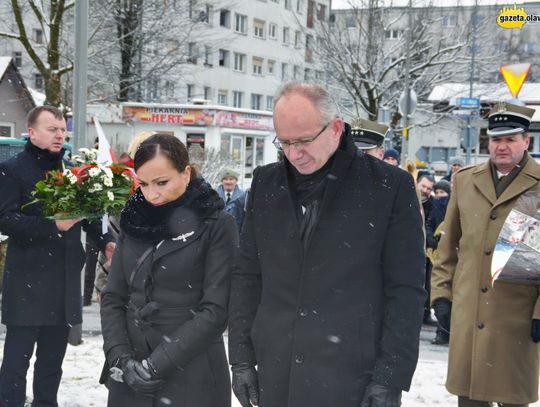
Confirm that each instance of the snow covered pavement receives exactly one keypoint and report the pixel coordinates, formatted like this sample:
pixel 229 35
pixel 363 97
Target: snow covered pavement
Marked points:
pixel 83 364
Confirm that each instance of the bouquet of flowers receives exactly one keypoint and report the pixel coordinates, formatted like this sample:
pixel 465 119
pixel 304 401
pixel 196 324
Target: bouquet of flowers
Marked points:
pixel 88 190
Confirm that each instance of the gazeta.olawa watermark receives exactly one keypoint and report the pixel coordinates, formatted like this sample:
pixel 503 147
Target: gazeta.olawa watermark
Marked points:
pixel 514 17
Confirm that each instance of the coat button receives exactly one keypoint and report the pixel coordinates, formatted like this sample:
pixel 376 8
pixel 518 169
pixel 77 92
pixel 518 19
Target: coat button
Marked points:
pixel 493 215
pixel 480 325
pixel 302 312
pixel 299 359
pixel 484 289
pixel 487 252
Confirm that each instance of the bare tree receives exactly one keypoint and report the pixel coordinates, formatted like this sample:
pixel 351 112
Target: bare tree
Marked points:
pixel 365 50
pixel 46 45
pixel 148 44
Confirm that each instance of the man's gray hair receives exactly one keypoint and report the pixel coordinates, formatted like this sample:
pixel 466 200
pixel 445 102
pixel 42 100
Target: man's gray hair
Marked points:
pixel 318 95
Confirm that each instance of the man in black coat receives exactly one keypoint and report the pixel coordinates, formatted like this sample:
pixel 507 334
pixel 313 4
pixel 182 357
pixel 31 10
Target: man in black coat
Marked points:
pixel 327 295
pixel 42 277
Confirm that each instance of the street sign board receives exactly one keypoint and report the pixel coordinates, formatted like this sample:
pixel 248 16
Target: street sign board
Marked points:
pixel 469 103
pixel 465 112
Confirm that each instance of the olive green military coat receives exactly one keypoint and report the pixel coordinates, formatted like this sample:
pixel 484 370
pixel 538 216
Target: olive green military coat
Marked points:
pixel 492 356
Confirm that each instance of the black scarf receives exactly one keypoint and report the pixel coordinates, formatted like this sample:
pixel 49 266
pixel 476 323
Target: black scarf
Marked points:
pixel 46 159
pixel 143 220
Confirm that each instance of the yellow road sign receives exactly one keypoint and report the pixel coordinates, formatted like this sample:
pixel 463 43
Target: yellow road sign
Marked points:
pixel 514 75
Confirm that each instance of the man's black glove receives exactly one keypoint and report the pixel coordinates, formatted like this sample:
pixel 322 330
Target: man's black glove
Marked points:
pixel 443 312
pixel 535 330
pixel 377 395
pixel 138 376
pixel 245 384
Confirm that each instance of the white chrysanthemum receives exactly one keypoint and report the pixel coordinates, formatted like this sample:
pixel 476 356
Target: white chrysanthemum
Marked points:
pixel 93 171
pixel 84 151
pixel 71 177
pixel 108 172
pixel 110 195
pixel 97 187
pixel 107 182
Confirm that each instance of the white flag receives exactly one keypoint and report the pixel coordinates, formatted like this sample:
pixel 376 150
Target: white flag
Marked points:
pixel 105 153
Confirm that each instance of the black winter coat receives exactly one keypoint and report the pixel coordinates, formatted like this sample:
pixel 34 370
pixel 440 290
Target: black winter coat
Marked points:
pixel 321 323
pixel 436 217
pixel 42 275
pixel 186 277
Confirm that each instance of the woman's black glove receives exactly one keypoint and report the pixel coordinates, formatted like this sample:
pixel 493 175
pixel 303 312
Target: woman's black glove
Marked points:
pixel 377 395
pixel 138 376
pixel 443 313
pixel 245 384
pixel 535 330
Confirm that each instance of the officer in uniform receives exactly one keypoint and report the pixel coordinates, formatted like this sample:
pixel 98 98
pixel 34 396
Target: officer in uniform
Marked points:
pixel 369 136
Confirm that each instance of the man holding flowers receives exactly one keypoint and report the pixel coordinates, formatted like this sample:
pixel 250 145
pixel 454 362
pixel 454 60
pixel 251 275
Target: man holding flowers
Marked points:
pixel 42 277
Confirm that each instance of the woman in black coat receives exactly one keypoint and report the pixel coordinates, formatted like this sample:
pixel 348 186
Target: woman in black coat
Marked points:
pixel 164 307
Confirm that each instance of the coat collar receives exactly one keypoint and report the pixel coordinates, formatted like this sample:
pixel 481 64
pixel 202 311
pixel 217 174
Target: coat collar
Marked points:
pixel 527 178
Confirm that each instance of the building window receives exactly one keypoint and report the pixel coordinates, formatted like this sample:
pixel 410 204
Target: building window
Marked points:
pixel 393 34
pixel 190 89
pixel 225 18
pixel 288 4
pixel 222 97
pixel 269 103
pixel 449 21
pixel 350 21
pixel 17 58
pixel 192 53
pixel 271 66
pixel 6 130
pixel 224 57
pixel 284 71
pixel 286 35
pixel 297 39
pixel 240 23
pixel 258 28
pixel 307 74
pixel 38 81
pixel 257 64
pixel 319 75
pixel 528 47
pixel 309 48
pixel 38 36
pixel 237 98
pixel 208 60
pixel 256 101
pixel 321 12
pixel 296 72
pixel 169 89
pixel 239 62
pixel 272 31
pixel 207 93
pixel 205 15
pixel 299 6
pixel 152 89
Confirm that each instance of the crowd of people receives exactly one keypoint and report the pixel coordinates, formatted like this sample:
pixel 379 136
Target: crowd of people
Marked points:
pixel 323 271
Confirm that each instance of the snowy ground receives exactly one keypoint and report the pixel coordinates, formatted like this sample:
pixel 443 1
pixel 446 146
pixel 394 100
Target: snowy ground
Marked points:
pixel 83 363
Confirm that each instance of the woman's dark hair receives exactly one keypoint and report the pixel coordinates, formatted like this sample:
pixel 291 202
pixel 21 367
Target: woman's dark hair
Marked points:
pixel 170 146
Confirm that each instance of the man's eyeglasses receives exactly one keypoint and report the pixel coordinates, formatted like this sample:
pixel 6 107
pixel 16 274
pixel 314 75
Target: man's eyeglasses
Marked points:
pixel 285 145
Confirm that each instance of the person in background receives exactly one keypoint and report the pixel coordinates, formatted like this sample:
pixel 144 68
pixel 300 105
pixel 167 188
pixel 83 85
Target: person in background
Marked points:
pixel 494 352
pixel 232 195
pixel 424 186
pixel 164 307
pixel 456 163
pixel 369 137
pixel 391 156
pixel 327 292
pixel 434 225
pixel 41 295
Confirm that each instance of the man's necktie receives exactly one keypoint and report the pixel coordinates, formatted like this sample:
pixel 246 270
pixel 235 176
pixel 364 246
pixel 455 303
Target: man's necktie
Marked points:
pixel 228 198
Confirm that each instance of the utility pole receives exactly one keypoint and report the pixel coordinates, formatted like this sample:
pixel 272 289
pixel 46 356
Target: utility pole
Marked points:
pixel 405 118
pixel 471 84
pixel 80 74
